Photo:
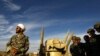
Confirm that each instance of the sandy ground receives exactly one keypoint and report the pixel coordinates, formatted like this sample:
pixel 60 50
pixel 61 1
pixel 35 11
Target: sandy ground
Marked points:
pixel 30 54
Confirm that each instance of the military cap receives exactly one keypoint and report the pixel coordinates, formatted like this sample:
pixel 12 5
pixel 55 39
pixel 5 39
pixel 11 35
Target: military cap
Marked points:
pixel 78 38
pixel 97 25
pixel 90 30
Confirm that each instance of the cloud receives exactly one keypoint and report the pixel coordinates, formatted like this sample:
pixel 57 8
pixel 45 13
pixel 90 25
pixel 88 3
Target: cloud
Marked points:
pixel 3 20
pixel 3 25
pixel 11 6
pixel 31 25
pixel 34 45
pixel 43 8
pixel 63 35
pixel 3 44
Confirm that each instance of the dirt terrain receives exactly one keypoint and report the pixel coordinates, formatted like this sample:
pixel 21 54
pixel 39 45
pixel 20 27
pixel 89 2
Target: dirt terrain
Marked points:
pixel 2 53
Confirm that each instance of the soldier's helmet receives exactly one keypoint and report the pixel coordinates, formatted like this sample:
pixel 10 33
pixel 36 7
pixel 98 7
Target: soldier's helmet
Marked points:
pixel 97 27
pixel 90 30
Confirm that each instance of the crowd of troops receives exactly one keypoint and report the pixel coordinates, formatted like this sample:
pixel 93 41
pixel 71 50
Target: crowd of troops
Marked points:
pixel 19 43
pixel 91 47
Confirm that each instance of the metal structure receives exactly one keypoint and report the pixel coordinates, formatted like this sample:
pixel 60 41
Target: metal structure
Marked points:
pixel 55 46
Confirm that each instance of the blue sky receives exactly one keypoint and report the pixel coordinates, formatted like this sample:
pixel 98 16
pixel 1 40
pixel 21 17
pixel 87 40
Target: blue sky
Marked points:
pixel 57 17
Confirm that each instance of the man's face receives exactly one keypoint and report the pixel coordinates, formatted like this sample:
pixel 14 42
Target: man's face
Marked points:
pixel 74 41
pixel 18 29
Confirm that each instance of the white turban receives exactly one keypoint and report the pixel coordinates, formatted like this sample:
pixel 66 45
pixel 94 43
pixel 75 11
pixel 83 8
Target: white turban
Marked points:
pixel 21 26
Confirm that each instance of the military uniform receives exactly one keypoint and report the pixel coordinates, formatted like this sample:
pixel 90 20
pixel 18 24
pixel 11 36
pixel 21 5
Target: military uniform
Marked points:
pixel 77 50
pixel 97 28
pixel 20 43
pixel 94 40
pixel 87 45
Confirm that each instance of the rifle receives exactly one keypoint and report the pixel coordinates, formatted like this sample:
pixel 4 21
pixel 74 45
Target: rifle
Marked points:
pixel 42 48
pixel 68 42
pixel 65 39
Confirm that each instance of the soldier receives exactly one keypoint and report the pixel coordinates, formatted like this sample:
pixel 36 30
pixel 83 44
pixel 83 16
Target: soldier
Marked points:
pixel 19 43
pixel 77 48
pixel 87 45
pixel 97 28
pixel 73 47
pixel 93 41
pixel 81 46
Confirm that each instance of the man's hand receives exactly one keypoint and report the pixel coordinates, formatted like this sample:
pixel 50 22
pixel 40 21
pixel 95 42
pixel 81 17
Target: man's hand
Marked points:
pixel 13 51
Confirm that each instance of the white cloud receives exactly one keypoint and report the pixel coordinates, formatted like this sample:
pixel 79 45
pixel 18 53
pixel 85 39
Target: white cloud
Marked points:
pixel 63 35
pixel 34 45
pixel 43 8
pixel 31 25
pixel 3 20
pixel 11 6
pixel 3 25
pixel 3 45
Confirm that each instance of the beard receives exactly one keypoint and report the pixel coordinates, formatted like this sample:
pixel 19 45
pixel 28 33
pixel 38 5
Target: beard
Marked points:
pixel 18 31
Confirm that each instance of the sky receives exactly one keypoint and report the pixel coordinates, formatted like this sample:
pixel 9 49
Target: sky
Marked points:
pixel 56 16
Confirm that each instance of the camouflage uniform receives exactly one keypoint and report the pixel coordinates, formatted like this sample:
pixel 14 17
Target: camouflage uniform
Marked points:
pixel 77 50
pixel 21 43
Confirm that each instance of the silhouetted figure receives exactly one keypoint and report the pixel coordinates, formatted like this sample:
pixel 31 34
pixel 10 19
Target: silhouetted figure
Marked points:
pixel 42 51
pixel 93 42
pixel 97 28
pixel 77 48
pixel 87 45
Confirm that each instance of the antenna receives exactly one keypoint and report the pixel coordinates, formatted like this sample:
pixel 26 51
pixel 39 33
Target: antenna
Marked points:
pixel 65 39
